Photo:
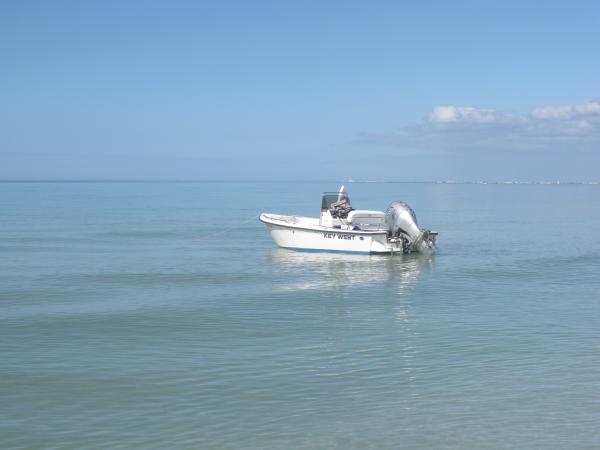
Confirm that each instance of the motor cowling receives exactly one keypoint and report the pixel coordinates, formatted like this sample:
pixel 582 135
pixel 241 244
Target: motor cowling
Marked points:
pixel 400 218
pixel 401 222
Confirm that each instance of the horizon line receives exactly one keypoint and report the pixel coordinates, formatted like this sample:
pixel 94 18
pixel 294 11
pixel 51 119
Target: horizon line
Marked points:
pixel 192 180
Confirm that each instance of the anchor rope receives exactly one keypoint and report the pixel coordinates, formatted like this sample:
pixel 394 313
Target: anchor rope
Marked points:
pixel 226 230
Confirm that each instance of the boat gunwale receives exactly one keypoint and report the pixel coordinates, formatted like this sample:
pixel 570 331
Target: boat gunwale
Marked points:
pixel 318 228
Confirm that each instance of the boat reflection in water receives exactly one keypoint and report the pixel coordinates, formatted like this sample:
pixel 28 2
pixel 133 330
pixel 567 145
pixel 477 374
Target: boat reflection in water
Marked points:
pixel 316 270
pixel 345 295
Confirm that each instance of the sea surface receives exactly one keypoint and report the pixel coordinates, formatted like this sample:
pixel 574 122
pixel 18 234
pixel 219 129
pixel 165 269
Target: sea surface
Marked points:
pixel 161 315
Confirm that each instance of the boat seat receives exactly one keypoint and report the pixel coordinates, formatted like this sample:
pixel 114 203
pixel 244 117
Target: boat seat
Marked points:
pixel 366 220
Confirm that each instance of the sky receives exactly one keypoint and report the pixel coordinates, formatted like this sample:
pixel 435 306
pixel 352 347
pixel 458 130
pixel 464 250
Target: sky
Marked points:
pixel 303 90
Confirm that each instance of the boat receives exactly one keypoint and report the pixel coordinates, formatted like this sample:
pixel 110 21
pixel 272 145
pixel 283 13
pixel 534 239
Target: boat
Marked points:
pixel 341 228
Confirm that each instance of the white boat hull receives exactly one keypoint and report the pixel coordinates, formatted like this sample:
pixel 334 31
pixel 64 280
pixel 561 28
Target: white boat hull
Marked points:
pixel 289 232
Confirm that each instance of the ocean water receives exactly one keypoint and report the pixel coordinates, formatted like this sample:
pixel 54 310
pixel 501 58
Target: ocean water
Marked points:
pixel 161 315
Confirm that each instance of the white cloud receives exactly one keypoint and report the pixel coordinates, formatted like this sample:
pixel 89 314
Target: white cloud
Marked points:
pixel 456 128
pixel 567 111
pixel 465 114
pixel 576 115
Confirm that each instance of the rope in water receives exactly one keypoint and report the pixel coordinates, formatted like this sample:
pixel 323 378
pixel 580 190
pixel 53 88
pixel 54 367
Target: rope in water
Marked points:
pixel 227 230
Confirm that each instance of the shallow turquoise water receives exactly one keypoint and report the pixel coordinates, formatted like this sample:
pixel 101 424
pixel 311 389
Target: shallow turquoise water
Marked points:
pixel 125 322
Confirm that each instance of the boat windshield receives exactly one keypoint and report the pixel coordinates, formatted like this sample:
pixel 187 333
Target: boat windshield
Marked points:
pixel 331 197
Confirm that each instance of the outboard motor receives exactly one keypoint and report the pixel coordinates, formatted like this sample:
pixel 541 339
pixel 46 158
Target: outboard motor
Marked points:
pixel 401 222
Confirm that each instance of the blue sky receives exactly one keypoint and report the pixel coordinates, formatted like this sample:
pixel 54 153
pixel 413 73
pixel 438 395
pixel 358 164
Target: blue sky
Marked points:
pixel 300 90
